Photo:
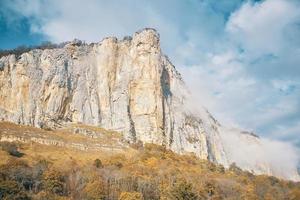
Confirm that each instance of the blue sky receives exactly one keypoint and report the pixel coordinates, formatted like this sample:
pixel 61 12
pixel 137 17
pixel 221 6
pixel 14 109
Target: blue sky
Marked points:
pixel 241 59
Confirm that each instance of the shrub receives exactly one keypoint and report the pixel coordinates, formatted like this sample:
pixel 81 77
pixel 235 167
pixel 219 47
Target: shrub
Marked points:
pixel 11 149
pixel 11 190
pixel 210 188
pixel 98 163
pixel 131 196
pixel 19 171
pixel 117 160
pixel 54 182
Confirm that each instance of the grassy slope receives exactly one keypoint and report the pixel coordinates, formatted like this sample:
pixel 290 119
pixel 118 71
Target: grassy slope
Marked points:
pixel 150 170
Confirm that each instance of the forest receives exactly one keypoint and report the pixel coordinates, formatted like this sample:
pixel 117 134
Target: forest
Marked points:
pixel 146 172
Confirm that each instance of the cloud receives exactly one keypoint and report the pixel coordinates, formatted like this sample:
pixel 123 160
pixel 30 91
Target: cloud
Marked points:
pixel 92 20
pixel 89 21
pixel 268 33
pixel 261 27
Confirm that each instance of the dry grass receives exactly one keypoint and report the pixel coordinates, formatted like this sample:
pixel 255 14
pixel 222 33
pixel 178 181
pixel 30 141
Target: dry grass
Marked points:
pixel 66 136
pixel 60 156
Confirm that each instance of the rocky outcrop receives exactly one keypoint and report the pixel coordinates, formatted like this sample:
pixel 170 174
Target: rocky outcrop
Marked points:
pixel 127 86
pixel 79 137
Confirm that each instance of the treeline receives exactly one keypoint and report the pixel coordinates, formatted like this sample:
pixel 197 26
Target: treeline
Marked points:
pixel 23 48
pixel 154 173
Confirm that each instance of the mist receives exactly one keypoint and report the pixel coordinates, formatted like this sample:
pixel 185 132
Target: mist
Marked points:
pixel 248 152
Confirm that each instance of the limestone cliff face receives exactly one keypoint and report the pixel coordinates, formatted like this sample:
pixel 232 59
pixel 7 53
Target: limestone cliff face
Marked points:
pixel 128 86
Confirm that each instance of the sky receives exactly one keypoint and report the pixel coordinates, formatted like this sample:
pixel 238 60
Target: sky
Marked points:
pixel 240 59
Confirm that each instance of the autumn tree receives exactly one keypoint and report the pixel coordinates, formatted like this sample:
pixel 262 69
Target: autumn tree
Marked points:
pixel 182 191
pixel 94 190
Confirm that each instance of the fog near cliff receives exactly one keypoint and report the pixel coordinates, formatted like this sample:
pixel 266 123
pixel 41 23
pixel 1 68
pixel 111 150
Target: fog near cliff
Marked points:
pixel 244 148
pixel 283 157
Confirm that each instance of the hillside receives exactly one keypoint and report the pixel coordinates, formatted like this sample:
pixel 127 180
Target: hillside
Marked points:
pixel 54 165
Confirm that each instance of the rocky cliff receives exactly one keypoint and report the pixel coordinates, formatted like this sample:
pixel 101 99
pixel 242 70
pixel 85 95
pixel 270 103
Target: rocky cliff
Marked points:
pixel 127 86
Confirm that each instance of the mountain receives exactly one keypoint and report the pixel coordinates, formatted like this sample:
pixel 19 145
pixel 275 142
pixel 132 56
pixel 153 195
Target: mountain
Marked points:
pixel 128 86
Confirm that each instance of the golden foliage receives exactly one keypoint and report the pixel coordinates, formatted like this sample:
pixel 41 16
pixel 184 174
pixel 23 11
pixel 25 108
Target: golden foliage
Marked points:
pixel 144 172
pixel 131 196
pixel 94 190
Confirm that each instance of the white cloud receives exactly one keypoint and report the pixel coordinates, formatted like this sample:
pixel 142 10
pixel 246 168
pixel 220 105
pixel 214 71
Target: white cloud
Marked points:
pixel 90 20
pixel 261 27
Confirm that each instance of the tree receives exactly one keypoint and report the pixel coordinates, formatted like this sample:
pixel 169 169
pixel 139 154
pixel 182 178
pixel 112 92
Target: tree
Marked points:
pixel 183 191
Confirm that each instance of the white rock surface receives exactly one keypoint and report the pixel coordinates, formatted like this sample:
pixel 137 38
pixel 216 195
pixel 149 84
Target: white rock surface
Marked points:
pixel 127 86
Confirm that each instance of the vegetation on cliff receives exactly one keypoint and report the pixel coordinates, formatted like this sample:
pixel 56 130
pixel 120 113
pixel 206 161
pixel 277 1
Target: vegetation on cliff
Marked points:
pixel 143 172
